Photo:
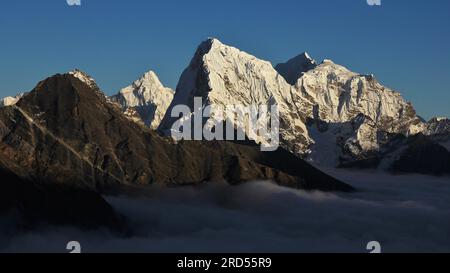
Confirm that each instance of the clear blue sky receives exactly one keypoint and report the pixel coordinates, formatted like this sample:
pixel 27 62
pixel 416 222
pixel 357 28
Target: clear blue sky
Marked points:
pixel 405 43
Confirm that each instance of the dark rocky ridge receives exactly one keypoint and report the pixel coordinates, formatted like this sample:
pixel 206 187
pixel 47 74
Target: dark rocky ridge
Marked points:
pixel 418 154
pixel 66 134
pixel 422 155
pixel 30 202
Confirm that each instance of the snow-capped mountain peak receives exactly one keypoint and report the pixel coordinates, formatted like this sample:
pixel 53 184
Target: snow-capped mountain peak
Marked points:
pixel 339 95
pixel 149 79
pixel 84 77
pixel 224 75
pixel 147 97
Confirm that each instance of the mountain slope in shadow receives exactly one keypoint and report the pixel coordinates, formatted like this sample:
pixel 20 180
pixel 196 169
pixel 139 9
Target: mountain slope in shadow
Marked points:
pixel 67 134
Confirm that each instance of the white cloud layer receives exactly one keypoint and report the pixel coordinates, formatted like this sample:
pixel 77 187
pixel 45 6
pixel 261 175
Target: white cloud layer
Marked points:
pixel 403 213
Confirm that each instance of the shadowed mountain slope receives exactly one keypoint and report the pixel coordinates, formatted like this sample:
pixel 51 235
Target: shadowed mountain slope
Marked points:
pixel 67 134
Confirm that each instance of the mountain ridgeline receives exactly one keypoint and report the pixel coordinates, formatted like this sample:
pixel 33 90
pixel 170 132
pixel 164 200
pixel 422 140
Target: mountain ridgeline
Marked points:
pixel 66 136
pixel 329 115
pixel 66 143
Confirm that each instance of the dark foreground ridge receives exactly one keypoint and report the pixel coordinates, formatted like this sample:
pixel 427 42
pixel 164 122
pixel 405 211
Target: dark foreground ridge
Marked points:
pixel 27 202
pixel 66 141
pixel 422 155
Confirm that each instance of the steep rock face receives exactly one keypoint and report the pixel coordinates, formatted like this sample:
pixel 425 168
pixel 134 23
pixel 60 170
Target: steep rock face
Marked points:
pixel 147 99
pixel 293 69
pixel 223 75
pixel 66 132
pixel 337 97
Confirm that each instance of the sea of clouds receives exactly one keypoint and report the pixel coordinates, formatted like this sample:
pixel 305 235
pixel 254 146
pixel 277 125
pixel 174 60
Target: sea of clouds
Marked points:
pixel 404 213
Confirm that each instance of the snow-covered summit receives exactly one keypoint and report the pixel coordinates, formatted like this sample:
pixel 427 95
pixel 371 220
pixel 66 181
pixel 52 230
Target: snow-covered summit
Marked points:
pixel 338 95
pixel 224 75
pixel 84 77
pixel 356 112
pixel 295 67
pixel 147 97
